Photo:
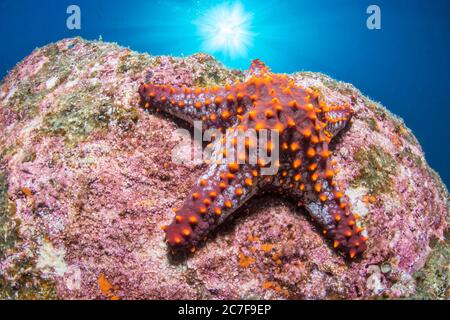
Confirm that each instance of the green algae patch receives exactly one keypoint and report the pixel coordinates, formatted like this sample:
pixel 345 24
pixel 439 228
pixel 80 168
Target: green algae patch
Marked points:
pixel 50 51
pixel 404 132
pixel 213 73
pixel 27 283
pixel 80 113
pixel 372 123
pixel 377 168
pixel 207 72
pixel 434 278
pixel 61 65
pixel 25 101
pixel 407 153
pixel 31 91
pixel 8 227
pixel 343 88
pixel 133 63
pixel 380 112
pixel 7 150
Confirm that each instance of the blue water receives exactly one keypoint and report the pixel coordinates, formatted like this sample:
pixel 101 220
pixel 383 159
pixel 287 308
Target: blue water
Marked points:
pixel 405 65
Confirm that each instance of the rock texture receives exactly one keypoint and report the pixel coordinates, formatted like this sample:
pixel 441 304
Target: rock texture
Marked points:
pixel 87 180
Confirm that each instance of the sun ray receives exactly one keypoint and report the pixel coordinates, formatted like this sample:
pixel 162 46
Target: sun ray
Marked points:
pixel 226 28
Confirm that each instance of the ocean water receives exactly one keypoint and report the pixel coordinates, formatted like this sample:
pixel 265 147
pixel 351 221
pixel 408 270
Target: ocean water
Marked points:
pixel 405 65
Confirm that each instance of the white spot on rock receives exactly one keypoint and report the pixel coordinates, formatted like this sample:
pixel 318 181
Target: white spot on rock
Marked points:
pixel 395 239
pixel 50 83
pixel 73 278
pixel 71 83
pixel 356 198
pixel 374 282
pixel 343 152
pixel 9 94
pixel 405 287
pixel 51 259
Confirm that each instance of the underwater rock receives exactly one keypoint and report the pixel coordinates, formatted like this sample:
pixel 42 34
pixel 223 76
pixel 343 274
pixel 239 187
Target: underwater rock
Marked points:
pixel 87 181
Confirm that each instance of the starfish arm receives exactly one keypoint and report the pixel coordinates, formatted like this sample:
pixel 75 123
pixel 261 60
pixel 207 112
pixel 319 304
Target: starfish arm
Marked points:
pixel 215 107
pixel 257 69
pixel 218 193
pixel 339 223
pixel 318 191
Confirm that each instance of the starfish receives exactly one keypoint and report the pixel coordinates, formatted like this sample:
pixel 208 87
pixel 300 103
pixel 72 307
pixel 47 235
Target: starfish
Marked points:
pixel 304 126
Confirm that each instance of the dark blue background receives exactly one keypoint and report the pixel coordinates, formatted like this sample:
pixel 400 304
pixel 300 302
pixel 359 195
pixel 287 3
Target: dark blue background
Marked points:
pixel 405 65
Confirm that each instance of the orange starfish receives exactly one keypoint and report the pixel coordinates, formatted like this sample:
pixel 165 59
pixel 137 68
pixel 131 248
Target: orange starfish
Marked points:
pixel 304 126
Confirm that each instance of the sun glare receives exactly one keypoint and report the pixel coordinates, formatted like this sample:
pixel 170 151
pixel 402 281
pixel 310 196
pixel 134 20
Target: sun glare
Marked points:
pixel 226 28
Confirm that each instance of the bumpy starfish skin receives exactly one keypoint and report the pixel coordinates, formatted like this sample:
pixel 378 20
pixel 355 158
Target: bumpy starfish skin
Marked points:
pixel 305 173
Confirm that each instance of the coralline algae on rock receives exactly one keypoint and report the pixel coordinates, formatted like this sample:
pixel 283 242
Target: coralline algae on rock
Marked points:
pixel 87 181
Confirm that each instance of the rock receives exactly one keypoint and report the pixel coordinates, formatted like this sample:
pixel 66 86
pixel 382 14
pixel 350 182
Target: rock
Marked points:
pixel 87 181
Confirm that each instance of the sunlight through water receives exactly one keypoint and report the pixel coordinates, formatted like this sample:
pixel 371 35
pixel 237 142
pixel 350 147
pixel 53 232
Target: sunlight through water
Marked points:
pixel 226 28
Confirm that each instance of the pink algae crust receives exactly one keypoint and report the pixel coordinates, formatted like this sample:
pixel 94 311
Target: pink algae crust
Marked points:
pixel 89 181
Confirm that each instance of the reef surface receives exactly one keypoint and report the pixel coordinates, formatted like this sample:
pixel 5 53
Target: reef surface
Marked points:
pixel 87 180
